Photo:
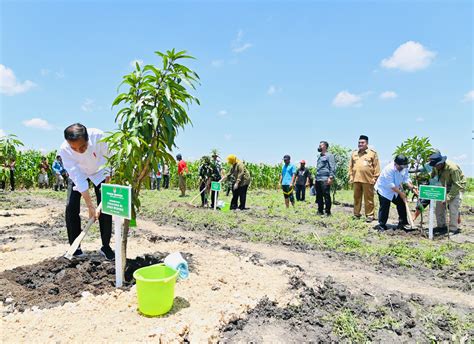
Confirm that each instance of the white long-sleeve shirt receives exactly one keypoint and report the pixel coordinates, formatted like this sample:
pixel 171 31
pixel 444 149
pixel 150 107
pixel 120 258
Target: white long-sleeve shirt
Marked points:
pixel 390 178
pixel 88 165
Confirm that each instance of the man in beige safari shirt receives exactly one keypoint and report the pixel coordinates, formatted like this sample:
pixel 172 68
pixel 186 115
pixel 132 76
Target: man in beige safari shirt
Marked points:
pixel 364 169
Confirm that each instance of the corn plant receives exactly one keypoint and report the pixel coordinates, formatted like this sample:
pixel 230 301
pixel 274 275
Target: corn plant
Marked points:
pixel 8 150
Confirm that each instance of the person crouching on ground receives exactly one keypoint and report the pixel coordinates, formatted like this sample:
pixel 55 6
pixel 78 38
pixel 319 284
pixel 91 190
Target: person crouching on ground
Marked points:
pixel 84 156
pixel 241 175
pixel 389 188
pixel 287 181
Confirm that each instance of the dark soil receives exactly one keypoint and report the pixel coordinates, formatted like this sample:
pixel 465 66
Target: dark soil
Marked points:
pixel 330 313
pixel 54 282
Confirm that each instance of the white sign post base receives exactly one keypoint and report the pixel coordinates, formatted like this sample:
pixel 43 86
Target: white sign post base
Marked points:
pixel 430 227
pixel 118 222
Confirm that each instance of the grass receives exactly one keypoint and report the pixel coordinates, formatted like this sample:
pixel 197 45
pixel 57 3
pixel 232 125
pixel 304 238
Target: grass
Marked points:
pixel 270 222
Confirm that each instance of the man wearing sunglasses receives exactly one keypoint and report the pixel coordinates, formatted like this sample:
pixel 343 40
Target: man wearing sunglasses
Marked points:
pixel 389 188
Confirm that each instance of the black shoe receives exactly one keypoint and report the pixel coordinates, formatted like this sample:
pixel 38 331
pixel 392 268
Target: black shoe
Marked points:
pixel 405 227
pixel 79 254
pixel 380 228
pixel 369 219
pixel 107 252
pixel 328 214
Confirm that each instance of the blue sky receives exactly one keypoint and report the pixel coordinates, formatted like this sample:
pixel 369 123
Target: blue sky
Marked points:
pixel 277 77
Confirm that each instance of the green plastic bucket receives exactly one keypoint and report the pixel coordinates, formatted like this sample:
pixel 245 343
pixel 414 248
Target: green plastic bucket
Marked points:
pixel 155 289
pixel 226 207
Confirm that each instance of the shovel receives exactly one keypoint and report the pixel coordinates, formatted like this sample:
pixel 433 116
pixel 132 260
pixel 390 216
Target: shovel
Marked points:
pixel 410 218
pixel 74 246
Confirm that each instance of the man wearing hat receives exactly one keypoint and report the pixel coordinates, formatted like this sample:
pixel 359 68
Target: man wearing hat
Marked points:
pixel 449 175
pixel 389 188
pixel 325 175
pixel 239 173
pixel 287 181
pixel 303 179
pixel 216 175
pixel 364 169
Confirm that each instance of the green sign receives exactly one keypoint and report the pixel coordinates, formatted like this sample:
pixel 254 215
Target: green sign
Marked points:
pixel 435 193
pixel 215 186
pixel 117 200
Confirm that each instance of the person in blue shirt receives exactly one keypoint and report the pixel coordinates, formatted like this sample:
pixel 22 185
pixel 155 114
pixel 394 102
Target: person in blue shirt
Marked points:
pixel 59 172
pixel 287 181
pixel 389 188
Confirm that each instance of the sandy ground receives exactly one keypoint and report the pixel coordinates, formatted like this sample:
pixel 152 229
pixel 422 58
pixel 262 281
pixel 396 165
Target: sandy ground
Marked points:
pixel 229 278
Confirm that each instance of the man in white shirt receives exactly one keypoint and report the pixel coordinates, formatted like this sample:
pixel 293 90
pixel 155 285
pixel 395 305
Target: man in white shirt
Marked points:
pixel 389 188
pixel 84 157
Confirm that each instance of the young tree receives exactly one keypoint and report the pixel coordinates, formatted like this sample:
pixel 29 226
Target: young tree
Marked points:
pixel 342 157
pixel 155 108
pixel 418 151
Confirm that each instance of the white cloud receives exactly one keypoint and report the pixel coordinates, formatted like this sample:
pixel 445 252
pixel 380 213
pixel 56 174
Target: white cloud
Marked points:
pixel 228 137
pixel 238 46
pixel 88 105
pixel 420 119
pixel 9 85
pixel 409 56
pixel 134 62
pixel 2 132
pixel 38 123
pixel 222 113
pixel 461 157
pixel 388 95
pixel 469 96
pixel 273 89
pixel 346 99
pixel 44 72
pixel 60 74
pixel 217 63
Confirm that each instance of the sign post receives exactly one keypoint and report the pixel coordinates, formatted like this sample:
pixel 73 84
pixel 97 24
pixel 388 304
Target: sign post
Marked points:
pixel 433 194
pixel 117 201
pixel 216 187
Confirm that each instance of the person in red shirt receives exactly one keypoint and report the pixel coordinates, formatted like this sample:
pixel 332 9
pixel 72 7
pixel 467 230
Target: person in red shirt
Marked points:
pixel 182 171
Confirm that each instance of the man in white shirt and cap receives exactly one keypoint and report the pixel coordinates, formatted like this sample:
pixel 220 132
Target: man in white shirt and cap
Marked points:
pixel 84 157
pixel 389 188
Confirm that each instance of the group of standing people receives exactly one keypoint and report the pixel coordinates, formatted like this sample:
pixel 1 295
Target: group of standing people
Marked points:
pixel 160 177
pixel 367 178
pixel 293 179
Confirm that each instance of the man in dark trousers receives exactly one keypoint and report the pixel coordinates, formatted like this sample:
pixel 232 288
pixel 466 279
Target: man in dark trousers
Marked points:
pixel 84 156
pixel 325 174
pixel 241 177
pixel 303 179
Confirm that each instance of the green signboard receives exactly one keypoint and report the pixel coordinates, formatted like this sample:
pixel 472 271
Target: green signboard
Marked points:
pixel 435 193
pixel 117 200
pixel 215 186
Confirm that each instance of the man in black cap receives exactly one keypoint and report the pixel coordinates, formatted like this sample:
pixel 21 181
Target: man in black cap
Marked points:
pixel 448 174
pixel 389 188
pixel 364 170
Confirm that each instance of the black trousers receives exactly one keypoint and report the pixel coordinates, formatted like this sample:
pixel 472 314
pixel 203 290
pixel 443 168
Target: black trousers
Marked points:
pixel 239 194
pixel 300 192
pixel 166 181
pixel 323 196
pixel 214 197
pixel 384 210
pixel 12 181
pixel 73 220
pixel 203 186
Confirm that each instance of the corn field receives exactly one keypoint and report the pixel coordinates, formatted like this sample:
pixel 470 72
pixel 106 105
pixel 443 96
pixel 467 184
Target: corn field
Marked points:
pixel 264 176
